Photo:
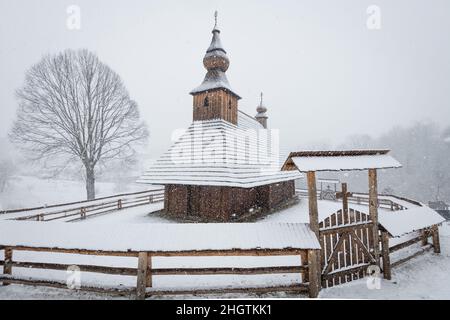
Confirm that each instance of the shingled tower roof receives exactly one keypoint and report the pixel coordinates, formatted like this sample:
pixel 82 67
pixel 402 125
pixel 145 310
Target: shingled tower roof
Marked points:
pixel 216 63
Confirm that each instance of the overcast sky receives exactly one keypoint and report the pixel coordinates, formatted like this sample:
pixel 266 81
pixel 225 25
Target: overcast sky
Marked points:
pixel 324 74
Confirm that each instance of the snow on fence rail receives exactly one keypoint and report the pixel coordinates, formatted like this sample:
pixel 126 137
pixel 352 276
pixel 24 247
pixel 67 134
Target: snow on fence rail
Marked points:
pixel 91 208
pixel 165 240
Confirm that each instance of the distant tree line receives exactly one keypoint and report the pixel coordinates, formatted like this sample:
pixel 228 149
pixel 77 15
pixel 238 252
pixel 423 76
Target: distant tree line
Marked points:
pixel 424 151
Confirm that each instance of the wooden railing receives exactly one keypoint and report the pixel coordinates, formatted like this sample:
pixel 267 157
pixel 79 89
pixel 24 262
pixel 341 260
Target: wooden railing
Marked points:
pixel 93 207
pixel 361 198
pixel 144 270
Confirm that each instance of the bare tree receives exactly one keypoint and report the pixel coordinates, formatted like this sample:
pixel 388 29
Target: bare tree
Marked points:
pixel 74 105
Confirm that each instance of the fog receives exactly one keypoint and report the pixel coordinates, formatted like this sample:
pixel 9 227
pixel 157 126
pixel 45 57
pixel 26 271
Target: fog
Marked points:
pixel 324 74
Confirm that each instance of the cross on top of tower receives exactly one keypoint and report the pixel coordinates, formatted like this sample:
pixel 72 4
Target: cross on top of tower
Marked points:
pixel 215 19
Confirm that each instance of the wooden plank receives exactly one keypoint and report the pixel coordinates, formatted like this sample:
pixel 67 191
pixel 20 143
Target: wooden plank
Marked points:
pixel 297 288
pixel 244 271
pixel 385 254
pixel 373 212
pixel 84 268
pixel 346 228
pixel 231 252
pixel 312 202
pixel 435 236
pixel 354 253
pixel 141 282
pixel 335 253
pixel 363 247
pixel 347 272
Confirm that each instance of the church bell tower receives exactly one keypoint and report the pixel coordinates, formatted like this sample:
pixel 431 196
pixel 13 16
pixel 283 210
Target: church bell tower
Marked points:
pixel 214 98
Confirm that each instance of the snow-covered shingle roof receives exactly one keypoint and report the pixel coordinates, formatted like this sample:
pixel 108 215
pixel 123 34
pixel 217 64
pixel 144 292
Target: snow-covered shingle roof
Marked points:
pixel 219 153
pixel 414 218
pixel 305 161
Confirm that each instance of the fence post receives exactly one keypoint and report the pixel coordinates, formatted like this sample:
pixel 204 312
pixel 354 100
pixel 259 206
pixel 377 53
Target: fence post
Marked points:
pixel 313 276
pixel 83 213
pixel 435 235
pixel 149 282
pixel 141 275
pixel 150 198
pixel 385 253
pixel 119 204
pixel 7 268
pixel 424 237
pixel 373 212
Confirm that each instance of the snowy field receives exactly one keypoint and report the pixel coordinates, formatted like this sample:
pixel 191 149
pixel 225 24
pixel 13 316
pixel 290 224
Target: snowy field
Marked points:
pixel 424 277
pixel 26 191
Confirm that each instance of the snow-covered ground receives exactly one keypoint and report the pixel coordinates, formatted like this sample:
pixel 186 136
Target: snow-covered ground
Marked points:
pixel 26 191
pixel 424 277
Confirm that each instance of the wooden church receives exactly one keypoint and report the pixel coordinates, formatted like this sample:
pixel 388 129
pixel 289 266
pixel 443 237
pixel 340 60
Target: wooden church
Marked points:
pixel 226 165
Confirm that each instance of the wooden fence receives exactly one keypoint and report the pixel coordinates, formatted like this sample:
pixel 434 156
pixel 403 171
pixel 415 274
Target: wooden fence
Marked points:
pixel 92 208
pixel 361 198
pixel 423 238
pixel 144 271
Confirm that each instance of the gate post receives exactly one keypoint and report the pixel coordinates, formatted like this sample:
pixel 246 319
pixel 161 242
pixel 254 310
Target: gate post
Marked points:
pixel 313 273
pixel 314 218
pixel 385 253
pixel 373 212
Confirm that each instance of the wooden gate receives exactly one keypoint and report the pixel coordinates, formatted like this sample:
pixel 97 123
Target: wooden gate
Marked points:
pixel 347 247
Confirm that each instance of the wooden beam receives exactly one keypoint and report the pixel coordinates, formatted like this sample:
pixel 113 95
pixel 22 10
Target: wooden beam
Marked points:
pixel 435 236
pixel 405 244
pixel 373 212
pixel 142 275
pixel 314 215
pixel 297 288
pixel 312 201
pixel 353 270
pixel 206 253
pixel 245 271
pixel 313 276
pixel 335 253
pixel 355 226
pixel 385 254
pixel 362 247
pixel 83 268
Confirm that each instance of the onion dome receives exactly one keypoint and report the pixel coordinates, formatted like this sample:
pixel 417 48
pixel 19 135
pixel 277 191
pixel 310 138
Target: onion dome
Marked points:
pixel 261 115
pixel 216 63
